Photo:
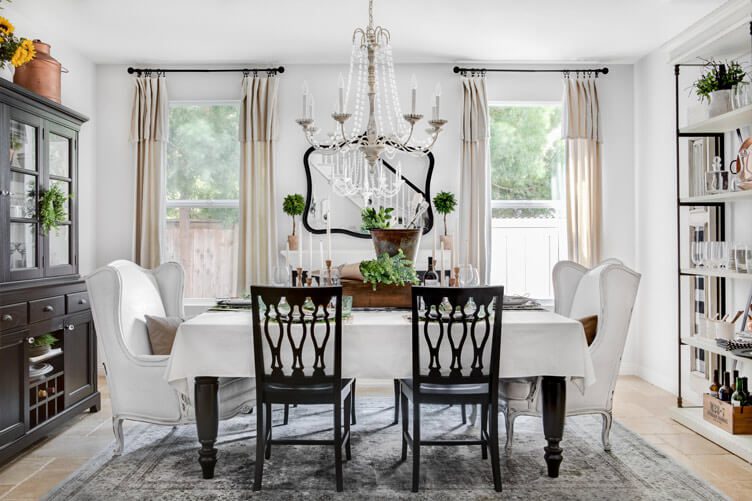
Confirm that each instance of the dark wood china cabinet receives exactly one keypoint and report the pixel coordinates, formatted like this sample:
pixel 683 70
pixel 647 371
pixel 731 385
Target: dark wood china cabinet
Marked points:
pixel 41 291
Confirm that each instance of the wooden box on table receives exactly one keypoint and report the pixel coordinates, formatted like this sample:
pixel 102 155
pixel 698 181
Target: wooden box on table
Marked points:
pixel 385 296
pixel 734 420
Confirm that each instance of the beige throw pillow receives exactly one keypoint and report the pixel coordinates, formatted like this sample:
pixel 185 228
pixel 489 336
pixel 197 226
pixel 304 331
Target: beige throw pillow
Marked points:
pixel 162 333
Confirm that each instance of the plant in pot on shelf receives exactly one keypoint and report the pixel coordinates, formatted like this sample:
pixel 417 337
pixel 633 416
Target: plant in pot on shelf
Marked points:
pixel 41 344
pixel 52 208
pixel 387 239
pixel 715 85
pixel 293 205
pixel 445 202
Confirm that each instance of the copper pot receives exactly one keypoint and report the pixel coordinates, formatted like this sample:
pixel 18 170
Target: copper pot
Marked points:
pixel 41 75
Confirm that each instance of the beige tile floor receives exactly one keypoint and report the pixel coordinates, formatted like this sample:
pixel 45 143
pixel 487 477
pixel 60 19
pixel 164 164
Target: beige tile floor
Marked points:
pixel 638 405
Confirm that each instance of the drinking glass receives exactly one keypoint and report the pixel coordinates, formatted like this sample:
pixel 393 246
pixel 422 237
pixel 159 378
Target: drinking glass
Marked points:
pixel 695 253
pixel 466 275
pixel 723 250
pixel 748 258
pixel 702 254
pixel 346 305
pixel 715 254
pixel 281 276
pixel 740 256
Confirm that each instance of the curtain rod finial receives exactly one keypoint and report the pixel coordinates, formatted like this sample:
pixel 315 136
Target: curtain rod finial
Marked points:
pixel 131 70
pixel 604 71
pixel 281 69
pixel 456 69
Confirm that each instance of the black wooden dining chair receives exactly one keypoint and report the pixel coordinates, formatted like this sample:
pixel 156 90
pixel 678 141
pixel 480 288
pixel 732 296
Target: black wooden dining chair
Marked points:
pixel 461 328
pixel 296 365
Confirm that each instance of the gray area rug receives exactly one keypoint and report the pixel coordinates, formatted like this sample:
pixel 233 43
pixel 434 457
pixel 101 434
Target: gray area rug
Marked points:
pixel 160 463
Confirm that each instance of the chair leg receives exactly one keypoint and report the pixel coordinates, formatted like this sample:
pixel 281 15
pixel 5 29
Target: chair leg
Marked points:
pixel 396 401
pixel 348 417
pixel 493 439
pixel 405 420
pixel 117 429
pixel 606 433
pixel 287 413
pixel 464 414
pixel 484 429
pixel 352 409
pixel 260 447
pixel 416 445
pixel 509 418
pixel 268 430
pixel 338 443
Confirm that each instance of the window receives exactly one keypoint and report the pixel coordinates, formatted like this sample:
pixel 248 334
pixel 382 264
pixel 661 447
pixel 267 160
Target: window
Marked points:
pixel 528 234
pixel 202 185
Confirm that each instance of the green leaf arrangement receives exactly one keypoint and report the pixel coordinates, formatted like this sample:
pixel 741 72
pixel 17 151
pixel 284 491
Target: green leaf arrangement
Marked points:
pixel 445 203
pixel 385 270
pixel 52 208
pixel 45 340
pixel 372 219
pixel 720 75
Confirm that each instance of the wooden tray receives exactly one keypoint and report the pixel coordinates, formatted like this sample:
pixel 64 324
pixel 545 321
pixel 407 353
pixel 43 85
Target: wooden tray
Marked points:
pixel 734 420
pixel 385 296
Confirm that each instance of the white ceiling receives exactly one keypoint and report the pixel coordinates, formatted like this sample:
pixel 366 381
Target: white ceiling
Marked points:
pixel 310 31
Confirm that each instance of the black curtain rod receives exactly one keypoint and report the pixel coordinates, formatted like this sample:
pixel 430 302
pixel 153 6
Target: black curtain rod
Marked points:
pixel 458 69
pixel 139 71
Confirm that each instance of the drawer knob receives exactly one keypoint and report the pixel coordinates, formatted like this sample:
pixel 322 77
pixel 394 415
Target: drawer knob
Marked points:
pixel 83 301
pixel 48 309
pixel 4 193
pixel 71 327
pixel 30 340
pixel 7 318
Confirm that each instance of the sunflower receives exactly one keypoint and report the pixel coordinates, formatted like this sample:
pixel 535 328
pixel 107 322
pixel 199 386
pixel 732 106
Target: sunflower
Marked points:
pixel 24 53
pixel 6 27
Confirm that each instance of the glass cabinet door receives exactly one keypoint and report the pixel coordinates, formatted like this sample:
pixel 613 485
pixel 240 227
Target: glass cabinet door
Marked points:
pixel 60 155
pixel 25 175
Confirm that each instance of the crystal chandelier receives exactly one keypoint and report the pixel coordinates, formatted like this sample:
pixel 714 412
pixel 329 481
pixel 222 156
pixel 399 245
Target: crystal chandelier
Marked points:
pixel 378 128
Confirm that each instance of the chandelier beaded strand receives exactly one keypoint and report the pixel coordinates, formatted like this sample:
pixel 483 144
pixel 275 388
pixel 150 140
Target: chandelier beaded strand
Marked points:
pixel 358 167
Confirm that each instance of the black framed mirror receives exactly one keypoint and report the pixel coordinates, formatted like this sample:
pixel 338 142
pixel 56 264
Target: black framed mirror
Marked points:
pixel 344 210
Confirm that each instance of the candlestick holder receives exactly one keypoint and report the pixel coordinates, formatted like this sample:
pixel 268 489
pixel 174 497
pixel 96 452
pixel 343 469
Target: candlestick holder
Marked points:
pixel 308 282
pixel 328 263
pixel 452 282
pixel 456 271
pixel 300 277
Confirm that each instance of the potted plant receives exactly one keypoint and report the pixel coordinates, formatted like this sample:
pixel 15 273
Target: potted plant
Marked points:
pixel 41 345
pixel 14 50
pixel 389 240
pixel 715 85
pixel 445 202
pixel 293 205
pixel 387 282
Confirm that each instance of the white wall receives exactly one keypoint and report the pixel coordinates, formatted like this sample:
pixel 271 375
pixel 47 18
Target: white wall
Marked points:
pixel 78 88
pixel 115 180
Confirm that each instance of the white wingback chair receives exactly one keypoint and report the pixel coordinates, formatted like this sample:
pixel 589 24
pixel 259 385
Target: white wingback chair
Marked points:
pixel 609 291
pixel 121 293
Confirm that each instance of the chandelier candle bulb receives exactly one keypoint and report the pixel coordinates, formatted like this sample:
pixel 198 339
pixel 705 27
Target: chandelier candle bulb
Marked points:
pixel 341 85
pixel 437 94
pixel 321 254
pixel 305 99
pixel 413 94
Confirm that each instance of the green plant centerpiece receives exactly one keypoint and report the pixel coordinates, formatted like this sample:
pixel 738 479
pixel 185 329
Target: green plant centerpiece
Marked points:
pixel 389 270
pixel 41 344
pixel 52 208
pixel 716 82
pixel 387 239
pixel 445 202
pixel 293 205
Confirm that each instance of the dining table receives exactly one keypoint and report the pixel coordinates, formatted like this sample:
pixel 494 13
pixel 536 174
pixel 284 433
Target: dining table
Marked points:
pixel 376 345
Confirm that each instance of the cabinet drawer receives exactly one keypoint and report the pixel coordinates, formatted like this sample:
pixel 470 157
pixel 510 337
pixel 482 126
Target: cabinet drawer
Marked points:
pixel 42 309
pixel 77 302
pixel 13 315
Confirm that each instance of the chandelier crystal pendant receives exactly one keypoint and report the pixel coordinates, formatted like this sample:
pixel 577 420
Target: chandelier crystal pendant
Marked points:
pixel 376 127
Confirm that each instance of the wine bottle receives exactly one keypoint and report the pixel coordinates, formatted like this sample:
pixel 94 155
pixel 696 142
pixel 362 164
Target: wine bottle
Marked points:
pixel 714 386
pixel 430 278
pixel 724 392
pixel 734 379
pixel 739 397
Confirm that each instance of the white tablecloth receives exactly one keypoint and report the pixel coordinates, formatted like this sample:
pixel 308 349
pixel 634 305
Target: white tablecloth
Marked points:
pixel 378 345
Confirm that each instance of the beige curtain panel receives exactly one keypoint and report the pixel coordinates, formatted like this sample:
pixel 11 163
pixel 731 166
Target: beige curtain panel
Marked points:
pixel 581 130
pixel 258 221
pixel 149 135
pixel 475 193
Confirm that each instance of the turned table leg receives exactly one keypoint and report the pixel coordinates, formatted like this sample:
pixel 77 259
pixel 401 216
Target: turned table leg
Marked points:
pixel 554 399
pixel 207 422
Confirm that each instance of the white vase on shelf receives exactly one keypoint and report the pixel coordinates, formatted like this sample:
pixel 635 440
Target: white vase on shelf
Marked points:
pixel 720 102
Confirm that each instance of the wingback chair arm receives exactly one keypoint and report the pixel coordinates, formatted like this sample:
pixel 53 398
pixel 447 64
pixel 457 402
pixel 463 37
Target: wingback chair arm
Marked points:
pixel 566 277
pixel 171 279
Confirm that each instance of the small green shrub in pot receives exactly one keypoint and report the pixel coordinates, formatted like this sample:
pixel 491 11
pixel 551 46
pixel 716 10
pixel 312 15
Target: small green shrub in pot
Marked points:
pixel 445 202
pixel 293 205
pixel 41 344
pixel 716 82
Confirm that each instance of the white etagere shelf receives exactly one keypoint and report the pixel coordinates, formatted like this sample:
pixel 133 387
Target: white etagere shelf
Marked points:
pixel 711 346
pixel 691 417
pixel 724 122
pixel 706 272
pixel 728 196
